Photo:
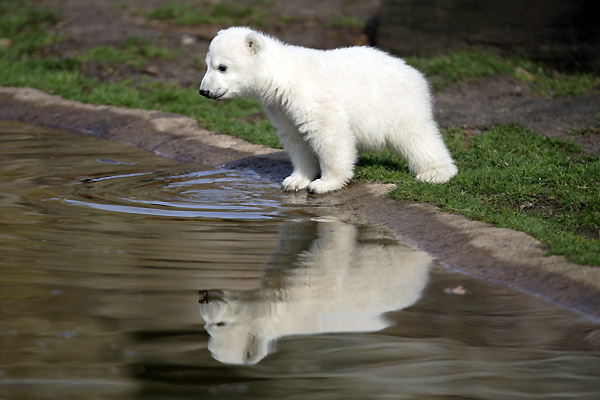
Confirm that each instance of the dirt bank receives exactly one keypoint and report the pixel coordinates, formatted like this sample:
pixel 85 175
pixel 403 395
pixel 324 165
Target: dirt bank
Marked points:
pixel 499 255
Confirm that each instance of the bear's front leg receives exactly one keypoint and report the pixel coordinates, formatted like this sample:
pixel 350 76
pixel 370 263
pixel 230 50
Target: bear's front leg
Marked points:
pixel 337 155
pixel 304 161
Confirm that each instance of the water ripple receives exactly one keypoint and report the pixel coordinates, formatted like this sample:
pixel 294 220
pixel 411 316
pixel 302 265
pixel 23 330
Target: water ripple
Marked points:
pixel 220 194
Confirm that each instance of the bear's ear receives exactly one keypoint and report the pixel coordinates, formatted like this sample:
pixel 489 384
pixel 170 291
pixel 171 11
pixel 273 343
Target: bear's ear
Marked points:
pixel 253 42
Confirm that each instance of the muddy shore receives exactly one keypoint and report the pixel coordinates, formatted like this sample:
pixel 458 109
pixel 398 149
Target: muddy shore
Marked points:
pixel 503 256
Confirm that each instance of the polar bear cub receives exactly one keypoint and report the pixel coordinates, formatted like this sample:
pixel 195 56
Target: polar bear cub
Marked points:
pixel 329 104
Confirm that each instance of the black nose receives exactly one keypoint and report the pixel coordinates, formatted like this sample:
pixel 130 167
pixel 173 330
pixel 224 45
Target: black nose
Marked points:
pixel 205 93
pixel 207 296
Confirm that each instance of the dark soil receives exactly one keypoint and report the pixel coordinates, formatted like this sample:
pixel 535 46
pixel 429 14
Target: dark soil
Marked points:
pixel 479 104
pixel 474 105
pixel 110 22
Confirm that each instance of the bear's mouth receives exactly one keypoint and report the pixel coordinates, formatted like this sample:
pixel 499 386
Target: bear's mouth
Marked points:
pixel 220 96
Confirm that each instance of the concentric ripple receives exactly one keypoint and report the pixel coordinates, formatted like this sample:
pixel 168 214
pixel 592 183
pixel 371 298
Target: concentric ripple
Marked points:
pixel 220 193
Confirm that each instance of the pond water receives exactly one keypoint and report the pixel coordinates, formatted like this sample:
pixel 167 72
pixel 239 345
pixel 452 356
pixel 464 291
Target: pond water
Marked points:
pixel 124 275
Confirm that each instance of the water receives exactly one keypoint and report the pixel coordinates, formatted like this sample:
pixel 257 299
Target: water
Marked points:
pixel 124 275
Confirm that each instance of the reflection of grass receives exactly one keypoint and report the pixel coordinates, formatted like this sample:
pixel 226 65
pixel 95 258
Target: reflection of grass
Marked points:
pixel 507 177
pixel 515 179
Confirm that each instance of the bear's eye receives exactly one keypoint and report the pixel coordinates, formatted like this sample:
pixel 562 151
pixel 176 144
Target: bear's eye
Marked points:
pixel 222 68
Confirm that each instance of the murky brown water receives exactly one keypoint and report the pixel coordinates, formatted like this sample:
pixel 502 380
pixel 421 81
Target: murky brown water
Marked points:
pixel 105 251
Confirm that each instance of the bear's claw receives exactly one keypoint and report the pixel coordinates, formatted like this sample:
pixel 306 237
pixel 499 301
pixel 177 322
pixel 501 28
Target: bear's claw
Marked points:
pixel 294 183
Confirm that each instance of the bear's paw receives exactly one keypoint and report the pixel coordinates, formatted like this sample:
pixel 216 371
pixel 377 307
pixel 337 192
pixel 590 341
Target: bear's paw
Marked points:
pixel 295 182
pixel 320 186
pixel 438 174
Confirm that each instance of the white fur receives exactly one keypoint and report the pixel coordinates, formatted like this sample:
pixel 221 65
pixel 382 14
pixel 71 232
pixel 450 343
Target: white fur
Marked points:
pixel 343 282
pixel 327 105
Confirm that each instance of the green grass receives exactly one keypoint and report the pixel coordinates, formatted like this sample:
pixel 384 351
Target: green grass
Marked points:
pixel 22 66
pixel 26 26
pixel 206 13
pixel 135 52
pixel 63 78
pixel 344 21
pixel 514 179
pixel 461 66
pixel 508 176
pixel 457 67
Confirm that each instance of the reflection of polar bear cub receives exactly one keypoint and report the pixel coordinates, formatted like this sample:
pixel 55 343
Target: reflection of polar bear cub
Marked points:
pixel 340 284
pixel 328 104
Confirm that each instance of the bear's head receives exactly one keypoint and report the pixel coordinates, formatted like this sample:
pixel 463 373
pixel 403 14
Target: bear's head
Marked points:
pixel 238 326
pixel 232 63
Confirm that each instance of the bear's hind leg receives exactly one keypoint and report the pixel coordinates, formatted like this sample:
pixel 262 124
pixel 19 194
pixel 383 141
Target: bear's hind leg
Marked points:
pixel 425 151
pixel 439 174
